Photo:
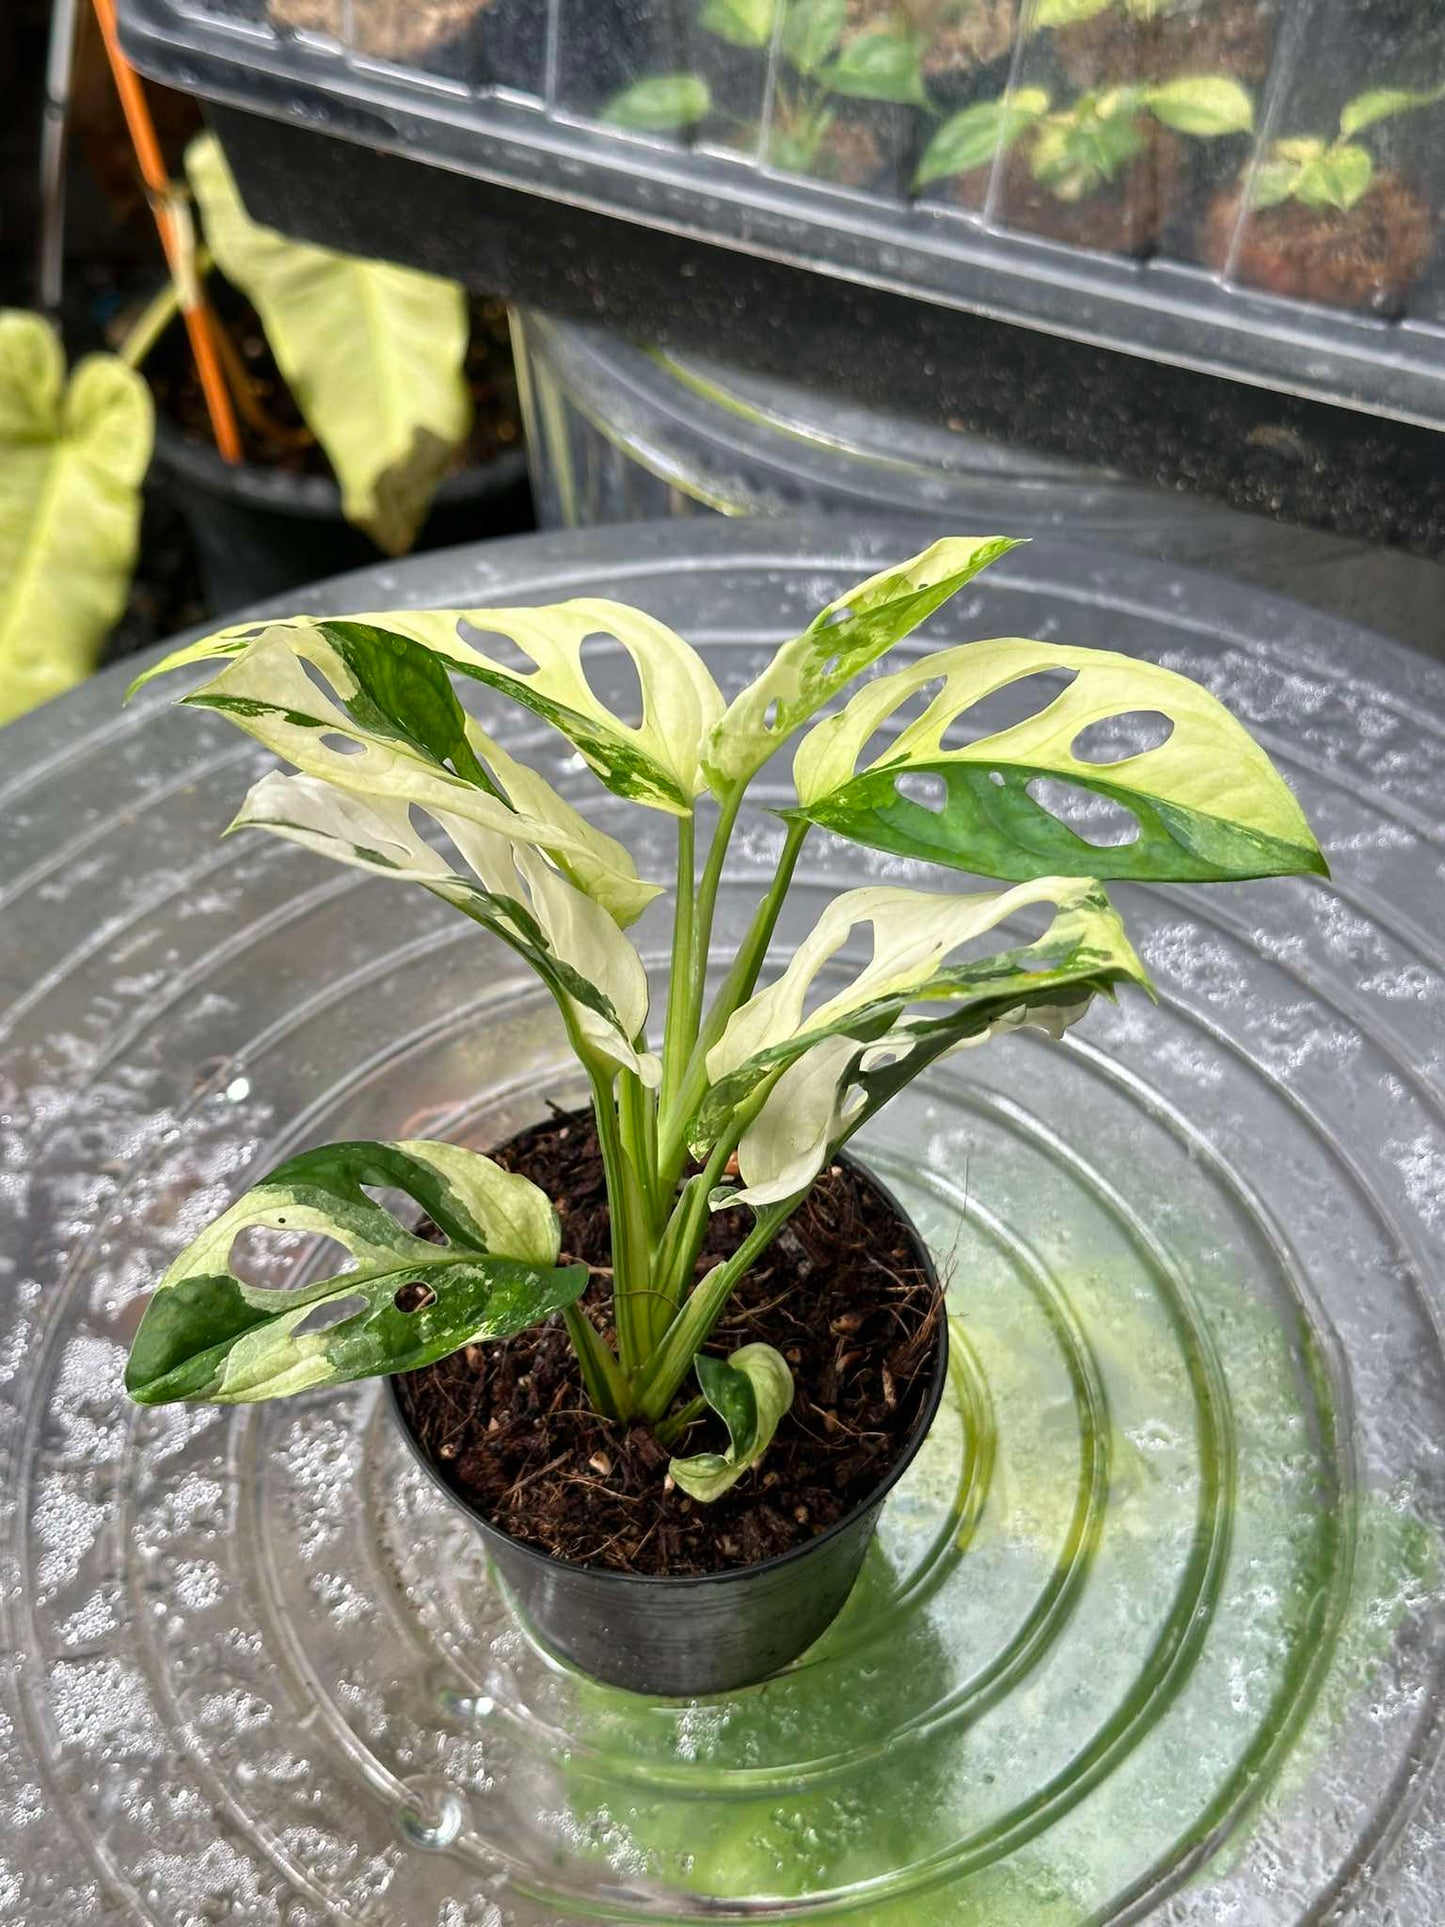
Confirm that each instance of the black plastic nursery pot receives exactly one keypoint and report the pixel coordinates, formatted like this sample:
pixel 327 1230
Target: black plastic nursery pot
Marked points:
pixel 261 532
pixel 702 1633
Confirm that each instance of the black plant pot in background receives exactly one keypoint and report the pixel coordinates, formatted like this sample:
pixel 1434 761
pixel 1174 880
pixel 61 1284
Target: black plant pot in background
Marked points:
pixel 261 532
pixel 704 1633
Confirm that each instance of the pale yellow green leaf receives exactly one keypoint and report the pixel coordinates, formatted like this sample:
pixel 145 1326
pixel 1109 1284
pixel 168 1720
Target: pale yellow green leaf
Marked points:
pixel 372 353
pixel 72 458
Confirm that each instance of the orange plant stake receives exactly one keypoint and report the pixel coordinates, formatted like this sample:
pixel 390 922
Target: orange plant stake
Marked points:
pixel 174 229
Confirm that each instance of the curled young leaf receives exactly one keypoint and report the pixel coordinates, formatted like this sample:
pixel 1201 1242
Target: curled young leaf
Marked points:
pixel 373 354
pixel 208 1335
pixel 838 644
pixel 750 1391
pixel 803 1080
pixel 1206 803
pixel 885 64
pixel 571 941
pixel 811 30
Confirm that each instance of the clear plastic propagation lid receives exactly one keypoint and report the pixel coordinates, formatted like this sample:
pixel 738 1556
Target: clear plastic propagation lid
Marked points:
pixel 1251 187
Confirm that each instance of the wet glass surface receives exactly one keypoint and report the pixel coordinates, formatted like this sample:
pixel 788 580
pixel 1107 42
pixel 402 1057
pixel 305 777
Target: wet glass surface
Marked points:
pixel 1152 1628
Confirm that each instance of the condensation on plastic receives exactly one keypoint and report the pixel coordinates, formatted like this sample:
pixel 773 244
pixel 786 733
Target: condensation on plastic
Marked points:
pixel 1153 1626
pixel 1162 259
pixel 622 433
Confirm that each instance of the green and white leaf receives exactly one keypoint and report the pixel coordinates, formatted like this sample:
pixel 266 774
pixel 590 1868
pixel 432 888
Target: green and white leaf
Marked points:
pixel 503 885
pixel 750 1391
pixel 661 104
pixel 742 23
pixel 208 1335
pixel 372 353
pixel 1383 103
pixel 881 65
pixel 971 138
pixel 1202 104
pixel 1208 803
pixel 72 458
pixel 656 761
pixel 839 643
pixel 393 699
pixel 804 1080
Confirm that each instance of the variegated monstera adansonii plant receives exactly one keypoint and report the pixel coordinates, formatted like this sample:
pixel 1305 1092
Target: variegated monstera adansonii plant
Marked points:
pixel 752 1090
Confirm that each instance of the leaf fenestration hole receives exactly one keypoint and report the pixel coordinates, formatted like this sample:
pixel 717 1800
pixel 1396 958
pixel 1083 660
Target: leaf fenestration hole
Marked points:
pixel 880 743
pixel 278 1257
pixel 924 788
pixel 414 1297
pixel 1005 708
pixel 1114 738
pixel 341 745
pixel 1096 820
pixel 770 714
pixel 322 1317
pixel 612 676
pixel 501 650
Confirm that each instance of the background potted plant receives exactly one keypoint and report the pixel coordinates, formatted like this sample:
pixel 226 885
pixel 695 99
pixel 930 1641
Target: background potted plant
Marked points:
pixel 1099 172
pixel 73 453
pixel 357 387
pixel 1317 219
pixel 716 1158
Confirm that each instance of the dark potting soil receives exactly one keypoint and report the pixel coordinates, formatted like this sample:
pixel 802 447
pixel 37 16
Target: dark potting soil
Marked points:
pixel 1368 257
pixel 1120 216
pixel 1233 37
pixel 841 1294
pixel 274 434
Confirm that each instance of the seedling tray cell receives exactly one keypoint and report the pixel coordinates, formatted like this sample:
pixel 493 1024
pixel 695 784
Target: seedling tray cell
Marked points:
pixel 1251 188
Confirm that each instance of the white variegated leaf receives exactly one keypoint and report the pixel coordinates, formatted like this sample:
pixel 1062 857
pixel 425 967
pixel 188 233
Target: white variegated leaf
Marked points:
pixel 391 699
pixel 804 1079
pixel 208 1335
pixel 508 888
pixel 838 644
pixel 655 761
pixel 750 1391
pixel 1207 803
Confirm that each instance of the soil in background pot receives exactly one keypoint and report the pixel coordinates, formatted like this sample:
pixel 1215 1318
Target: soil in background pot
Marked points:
pixel 1232 37
pixel 281 440
pixel 1122 216
pixel 841 1294
pixel 1367 257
